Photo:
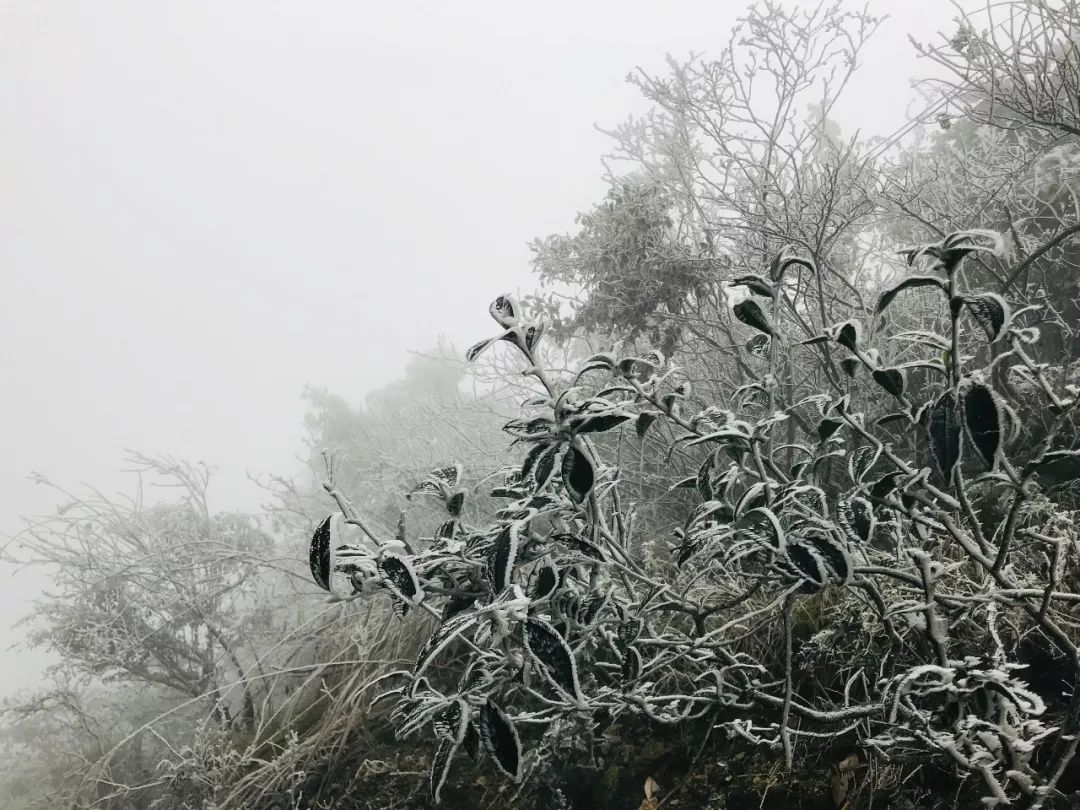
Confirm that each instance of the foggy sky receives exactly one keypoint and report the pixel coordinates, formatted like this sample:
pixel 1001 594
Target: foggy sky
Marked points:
pixel 204 206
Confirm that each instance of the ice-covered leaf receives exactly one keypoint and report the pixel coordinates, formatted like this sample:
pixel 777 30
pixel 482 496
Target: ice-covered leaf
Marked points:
pixel 766 518
pixel 847 334
pixel 529 429
pixel 553 656
pixel 991 311
pixel 856 518
pixel 758 346
pixel 756 284
pixel 579 545
pixel 438 641
pixel 809 564
pixel 627 632
pixel 600 423
pixel 605 359
pixel 785 260
pixel 983 421
pixel 908 284
pixel 501 558
pixel 450 476
pixel 505 310
pixel 479 348
pixel 894 418
pixel 545 579
pixel 472 741
pixel 455 503
pixel 753 497
pixel 631 665
pixel 860 462
pixel 1056 465
pixel 949 252
pixel 577 474
pixel 528 465
pixel 451 721
pixel 891 379
pixel 944 428
pixel 751 314
pixel 440 768
pixel 545 466
pixel 319 555
pixel 425 487
pixel 837 562
pixel 587 367
pixel 644 421
pixel 827 427
pixel 438 482
pixel 397 574
pixel 533 333
pixel 885 485
pixel 499 739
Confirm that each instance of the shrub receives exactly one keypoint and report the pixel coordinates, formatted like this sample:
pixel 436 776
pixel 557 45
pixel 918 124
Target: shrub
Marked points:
pixel 904 534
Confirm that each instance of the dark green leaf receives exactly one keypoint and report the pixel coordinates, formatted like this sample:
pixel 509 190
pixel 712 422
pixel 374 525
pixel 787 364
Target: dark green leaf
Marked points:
pixel 884 485
pixel 703 480
pixel 440 768
pixel 686 483
pixel 600 423
pixel 856 518
pixel 499 739
pixel 982 422
pixel 553 656
pixel 991 311
pixel 579 545
pixel 472 741
pixel 908 284
pixel 577 474
pixel 837 562
pixel 893 418
pixel 1056 466
pixel 319 554
pixel 891 379
pixel 529 428
pixel 544 581
pixel 644 421
pixel 440 638
pixel 585 369
pixel 827 427
pixel 528 466
pixel 501 558
pixel 944 428
pixel 451 722
pixel 809 565
pixel 781 263
pixel 756 284
pixel 631 665
pixel 847 335
pixel 397 574
pixel 545 466
pixel 750 313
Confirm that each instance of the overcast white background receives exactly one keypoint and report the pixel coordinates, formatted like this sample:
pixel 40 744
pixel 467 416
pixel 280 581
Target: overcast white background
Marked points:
pixel 204 206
